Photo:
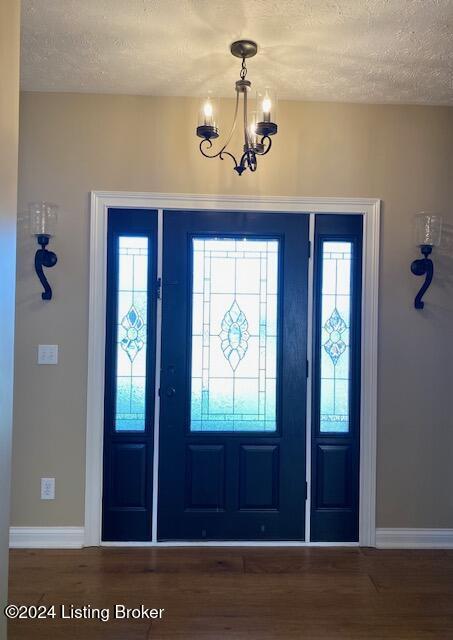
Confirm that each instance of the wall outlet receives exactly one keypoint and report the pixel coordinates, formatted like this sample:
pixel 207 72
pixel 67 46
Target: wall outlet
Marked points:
pixel 48 354
pixel 47 488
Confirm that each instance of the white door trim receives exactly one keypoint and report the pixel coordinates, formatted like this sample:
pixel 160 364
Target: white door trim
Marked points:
pixel 101 201
pixel 308 441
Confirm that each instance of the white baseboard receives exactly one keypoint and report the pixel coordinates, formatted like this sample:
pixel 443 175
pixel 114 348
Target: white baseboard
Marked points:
pixel 46 537
pixel 414 538
pixel 73 538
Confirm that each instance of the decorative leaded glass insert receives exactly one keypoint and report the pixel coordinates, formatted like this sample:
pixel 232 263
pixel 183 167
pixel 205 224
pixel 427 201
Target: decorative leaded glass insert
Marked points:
pixel 131 340
pixel 234 334
pixel 335 331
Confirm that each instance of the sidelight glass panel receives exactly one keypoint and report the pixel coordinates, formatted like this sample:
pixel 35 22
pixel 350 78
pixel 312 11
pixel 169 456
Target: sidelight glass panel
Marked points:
pixel 335 336
pixel 234 334
pixel 131 333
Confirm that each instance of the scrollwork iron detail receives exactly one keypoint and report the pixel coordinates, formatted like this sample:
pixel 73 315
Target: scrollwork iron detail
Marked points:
pixel 44 258
pixel 423 267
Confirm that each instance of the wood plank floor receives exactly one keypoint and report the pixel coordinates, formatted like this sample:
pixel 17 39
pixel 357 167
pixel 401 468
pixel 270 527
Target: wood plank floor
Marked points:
pixel 246 594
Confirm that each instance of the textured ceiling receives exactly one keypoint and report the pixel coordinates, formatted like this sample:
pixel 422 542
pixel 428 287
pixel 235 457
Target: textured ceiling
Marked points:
pixel 397 51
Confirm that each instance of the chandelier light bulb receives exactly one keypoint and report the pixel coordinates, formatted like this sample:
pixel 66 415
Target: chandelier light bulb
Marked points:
pixel 208 111
pixel 267 104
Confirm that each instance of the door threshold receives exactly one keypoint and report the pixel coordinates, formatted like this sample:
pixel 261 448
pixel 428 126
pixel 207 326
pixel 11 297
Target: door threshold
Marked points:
pixel 230 543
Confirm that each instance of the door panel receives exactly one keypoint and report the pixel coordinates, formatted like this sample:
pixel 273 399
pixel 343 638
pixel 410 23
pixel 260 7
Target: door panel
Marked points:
pixel 233 380
pixel 128 471
pixel 259 477
pixel 333 481
pixel 205 480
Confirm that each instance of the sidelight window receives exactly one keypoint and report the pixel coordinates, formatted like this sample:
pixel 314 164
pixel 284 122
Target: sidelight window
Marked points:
pixel 131 333
pixel 335 336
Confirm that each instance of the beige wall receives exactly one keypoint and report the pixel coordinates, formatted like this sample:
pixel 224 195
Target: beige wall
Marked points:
pixel 9 130
pixel 70 144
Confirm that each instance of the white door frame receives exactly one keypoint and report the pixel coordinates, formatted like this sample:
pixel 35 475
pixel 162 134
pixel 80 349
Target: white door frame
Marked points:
pixel 101 201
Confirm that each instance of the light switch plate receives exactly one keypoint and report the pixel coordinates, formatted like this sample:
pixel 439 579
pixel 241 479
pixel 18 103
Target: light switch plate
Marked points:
pixel 47 488
pixel 48 354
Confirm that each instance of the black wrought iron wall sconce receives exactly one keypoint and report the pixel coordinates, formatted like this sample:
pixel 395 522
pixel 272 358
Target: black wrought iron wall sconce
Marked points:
pixel 428 229
pixel 43 220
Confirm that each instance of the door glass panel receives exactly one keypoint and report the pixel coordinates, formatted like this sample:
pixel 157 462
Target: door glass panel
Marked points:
pixel 131 333
pixel 335 333
pixel 234 334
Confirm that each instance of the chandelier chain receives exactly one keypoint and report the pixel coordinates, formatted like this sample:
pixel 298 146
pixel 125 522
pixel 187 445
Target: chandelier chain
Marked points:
pixel 243 69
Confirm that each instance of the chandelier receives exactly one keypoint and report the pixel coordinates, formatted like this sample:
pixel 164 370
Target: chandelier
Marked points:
pixel 258 125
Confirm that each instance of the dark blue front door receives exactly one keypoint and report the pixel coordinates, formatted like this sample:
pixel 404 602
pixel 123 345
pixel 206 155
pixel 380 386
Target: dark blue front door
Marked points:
pixel 233 377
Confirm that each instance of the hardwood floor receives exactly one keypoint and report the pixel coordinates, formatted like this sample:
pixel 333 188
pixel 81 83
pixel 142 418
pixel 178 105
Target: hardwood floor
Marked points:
pixel 246 594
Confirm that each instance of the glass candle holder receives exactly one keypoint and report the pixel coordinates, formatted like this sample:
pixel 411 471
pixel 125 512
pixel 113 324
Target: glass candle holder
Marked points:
pixel 252 135
pixel 266 105
pixel 43 218
pixel 266 112
pixel 207 118
pixel 428 229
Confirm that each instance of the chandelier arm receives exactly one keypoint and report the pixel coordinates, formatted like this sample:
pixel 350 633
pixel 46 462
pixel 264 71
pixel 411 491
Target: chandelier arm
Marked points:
pixel 230 135
pixel 233 126
pixel 219 154
pixel 252 162
pixel 264 140
pixel 248 158
pixel 227 153
pixel 209 145
pixel 246 131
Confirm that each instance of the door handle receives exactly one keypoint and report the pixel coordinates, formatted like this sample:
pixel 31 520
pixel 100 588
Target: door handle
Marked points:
pixel 171 391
